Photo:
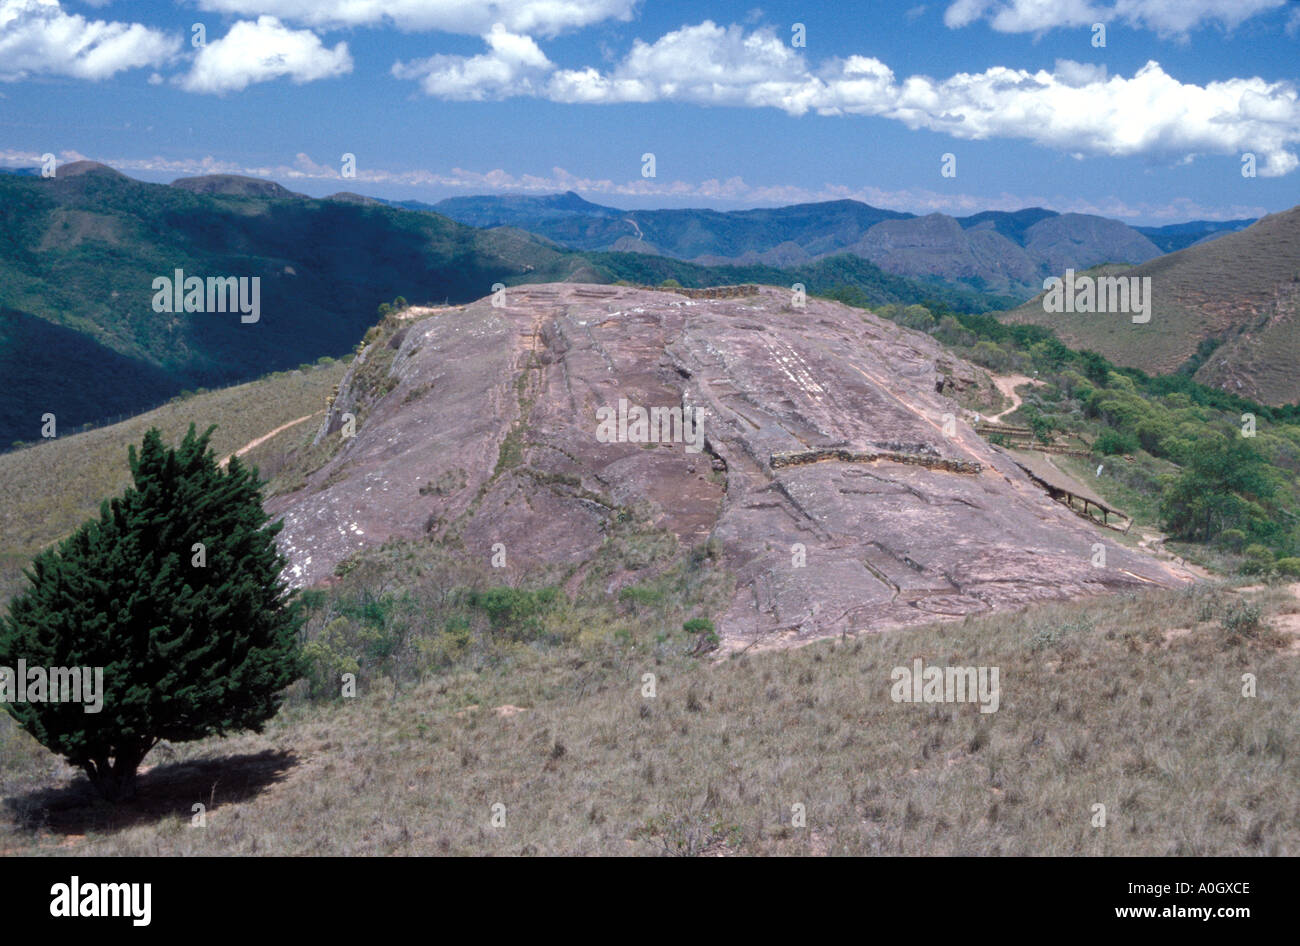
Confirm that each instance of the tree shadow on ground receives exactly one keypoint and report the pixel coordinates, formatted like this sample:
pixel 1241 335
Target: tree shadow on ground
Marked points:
pixel 163 791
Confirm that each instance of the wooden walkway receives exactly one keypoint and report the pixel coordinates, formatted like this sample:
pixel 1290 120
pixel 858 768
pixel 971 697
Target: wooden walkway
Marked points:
pixel 1066 489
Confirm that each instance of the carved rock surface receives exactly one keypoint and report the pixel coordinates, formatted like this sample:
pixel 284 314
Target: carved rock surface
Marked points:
pixel 488 435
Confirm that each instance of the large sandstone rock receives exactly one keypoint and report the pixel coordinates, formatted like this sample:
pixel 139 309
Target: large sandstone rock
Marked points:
pixel 827 442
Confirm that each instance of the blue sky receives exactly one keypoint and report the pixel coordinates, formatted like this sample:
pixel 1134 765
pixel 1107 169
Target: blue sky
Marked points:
pixel 450 97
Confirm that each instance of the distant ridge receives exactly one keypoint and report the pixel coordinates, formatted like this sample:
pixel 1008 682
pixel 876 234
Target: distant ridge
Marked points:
pixel 234 185
pixel 348 197
pixel 78 168
pixel 1178 236
pixel 1004 252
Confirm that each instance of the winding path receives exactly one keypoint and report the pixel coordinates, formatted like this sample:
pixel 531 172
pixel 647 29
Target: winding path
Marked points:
pixel 1007 384
pixel 258 441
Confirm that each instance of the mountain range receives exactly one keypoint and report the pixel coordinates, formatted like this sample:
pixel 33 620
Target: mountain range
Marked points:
pixel 79 254
pixel 994 251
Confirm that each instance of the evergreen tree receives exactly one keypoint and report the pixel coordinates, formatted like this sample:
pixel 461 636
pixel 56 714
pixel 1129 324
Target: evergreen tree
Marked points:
pixel 175 592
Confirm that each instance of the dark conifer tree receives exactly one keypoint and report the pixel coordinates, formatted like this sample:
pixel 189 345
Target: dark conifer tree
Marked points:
pixel 175 591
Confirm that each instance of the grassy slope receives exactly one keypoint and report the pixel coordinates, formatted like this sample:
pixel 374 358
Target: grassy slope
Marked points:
pixel 1097 707
pixel 1210 291
pixel 52 487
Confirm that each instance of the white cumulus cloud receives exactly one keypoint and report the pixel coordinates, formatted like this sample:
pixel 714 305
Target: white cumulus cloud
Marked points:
pixel 38 38
pixel 510 67
pixel 260 51
pixel 1075 108
pixel 472 17
pixel 705 64
pixel 1151 113
pixel 1167 17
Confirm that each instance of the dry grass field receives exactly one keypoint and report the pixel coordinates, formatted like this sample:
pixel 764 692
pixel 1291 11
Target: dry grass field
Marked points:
pixel 1131 702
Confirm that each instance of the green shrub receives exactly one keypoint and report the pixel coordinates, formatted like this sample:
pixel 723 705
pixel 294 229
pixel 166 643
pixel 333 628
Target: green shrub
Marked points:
pixel 916 317
pixel 1242 619
pixel 642 596
pixel 1288 567
pixel 444 648
pixel 1259 559
pixel 1152 433
pixel 1220 488
pixel 1111 442
pixel 1095 368
pixel 992 356
pixel 516 612
pixel 327 658
pixel 1232 539
pixel 706 638
pixel 175 592
pixel 951 332
pixel 1041 426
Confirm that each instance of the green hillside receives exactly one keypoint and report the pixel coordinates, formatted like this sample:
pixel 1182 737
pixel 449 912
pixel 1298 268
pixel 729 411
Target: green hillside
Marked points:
pixel 1217 473
pixel 845 277
pixel 1225 311
pixel 81 252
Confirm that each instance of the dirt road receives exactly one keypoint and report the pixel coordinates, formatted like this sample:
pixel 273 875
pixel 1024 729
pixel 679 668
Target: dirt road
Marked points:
pixel 258 441
pixel 1007 384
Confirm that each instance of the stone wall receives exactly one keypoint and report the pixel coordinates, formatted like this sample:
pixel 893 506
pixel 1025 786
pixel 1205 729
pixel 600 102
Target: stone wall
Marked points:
pixel 928 460
pixel 712 292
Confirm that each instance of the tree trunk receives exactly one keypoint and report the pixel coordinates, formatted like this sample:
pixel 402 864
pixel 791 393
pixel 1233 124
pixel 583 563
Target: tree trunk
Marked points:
pixel 115 782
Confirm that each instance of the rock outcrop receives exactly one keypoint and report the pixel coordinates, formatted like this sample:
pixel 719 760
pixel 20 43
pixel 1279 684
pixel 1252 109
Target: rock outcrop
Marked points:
pixel 843 488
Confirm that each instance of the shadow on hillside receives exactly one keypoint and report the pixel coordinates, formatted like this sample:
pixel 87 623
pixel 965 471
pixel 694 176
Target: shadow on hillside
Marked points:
pixel 164 791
